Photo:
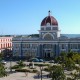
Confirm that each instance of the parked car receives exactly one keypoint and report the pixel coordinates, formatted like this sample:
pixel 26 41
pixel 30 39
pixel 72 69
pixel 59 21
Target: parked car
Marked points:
pixel 3 62
pixel 41 60
pixel 51 61
pixel 36 60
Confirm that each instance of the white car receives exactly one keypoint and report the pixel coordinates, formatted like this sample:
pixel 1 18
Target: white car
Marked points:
pixel 3 62
pixel 51 61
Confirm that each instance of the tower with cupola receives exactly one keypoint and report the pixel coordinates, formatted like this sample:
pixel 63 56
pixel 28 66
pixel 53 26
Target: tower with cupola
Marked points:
pixel 49 29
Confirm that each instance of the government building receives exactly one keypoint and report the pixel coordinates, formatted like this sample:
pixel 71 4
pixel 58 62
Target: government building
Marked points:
pixel 48 44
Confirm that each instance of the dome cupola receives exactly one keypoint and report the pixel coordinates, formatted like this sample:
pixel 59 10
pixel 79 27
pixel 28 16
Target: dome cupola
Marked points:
pixel 49 19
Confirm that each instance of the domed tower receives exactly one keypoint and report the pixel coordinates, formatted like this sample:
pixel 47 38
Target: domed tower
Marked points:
pixel 49 28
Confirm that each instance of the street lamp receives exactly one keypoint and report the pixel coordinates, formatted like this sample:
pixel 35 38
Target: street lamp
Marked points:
pixel 41 68
pixel 10 65
pixel 10 57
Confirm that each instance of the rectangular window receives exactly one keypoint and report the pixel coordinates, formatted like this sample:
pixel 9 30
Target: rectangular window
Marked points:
pixel 34 45
pixel 42 28
pixel 26 45
pixel 16 45
pixel 55 28
pixel 63 46
pixel 48 28
pixel 78 46
pixel 74 46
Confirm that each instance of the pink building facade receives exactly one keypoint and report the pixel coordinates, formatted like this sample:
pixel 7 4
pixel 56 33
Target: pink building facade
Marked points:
pixel 5 43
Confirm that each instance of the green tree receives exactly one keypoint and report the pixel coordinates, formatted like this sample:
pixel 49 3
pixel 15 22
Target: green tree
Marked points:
pixel 7 53
pixel 57 73
pixel 62 57
pixel 76 58
pixel 70 54
pixel 69 64
pixel 20 63
pixel 2 70
pixel 1 56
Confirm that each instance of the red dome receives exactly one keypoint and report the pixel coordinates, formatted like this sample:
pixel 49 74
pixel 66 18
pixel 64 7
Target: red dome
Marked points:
pixel 49 19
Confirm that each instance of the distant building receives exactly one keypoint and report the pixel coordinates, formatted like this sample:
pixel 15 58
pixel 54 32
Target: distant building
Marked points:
pixel 5 43
pixel 49 43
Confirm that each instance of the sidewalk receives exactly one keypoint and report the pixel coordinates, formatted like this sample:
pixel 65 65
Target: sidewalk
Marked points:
pixel 22 76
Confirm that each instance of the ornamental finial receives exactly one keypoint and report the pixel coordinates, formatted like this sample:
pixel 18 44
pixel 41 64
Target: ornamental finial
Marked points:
pixel 49 12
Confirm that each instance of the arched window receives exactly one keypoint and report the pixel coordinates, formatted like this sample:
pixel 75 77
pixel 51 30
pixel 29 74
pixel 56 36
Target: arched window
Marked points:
pixel 1 45
pixel 48 37
pixel 8 45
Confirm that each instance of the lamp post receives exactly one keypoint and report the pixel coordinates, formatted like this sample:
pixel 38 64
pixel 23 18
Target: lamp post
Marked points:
pixel 10 57
pixel 41 71
pixel 10 65
pixel 10 62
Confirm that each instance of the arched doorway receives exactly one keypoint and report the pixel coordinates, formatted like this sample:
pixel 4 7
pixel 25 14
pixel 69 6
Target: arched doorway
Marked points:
pixel 47 50
pixel 47 54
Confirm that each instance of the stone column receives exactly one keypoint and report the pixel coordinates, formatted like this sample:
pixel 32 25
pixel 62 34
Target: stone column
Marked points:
pixel 58 49
pixel 53 50
pixel 42 51
pixel 38 50
pixel 67 48
pixel 20 49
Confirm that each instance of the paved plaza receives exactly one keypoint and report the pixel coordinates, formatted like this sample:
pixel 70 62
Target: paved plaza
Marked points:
pixel 22 76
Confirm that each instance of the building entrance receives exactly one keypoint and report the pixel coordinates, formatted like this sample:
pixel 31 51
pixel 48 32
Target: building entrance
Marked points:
pixel 47 50
pixel 47 54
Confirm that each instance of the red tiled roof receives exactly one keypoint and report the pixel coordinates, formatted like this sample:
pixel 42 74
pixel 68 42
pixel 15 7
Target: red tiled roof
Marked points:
pixel 49 19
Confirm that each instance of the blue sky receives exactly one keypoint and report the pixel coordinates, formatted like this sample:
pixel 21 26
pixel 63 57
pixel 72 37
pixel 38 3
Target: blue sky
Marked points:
pixel 25 16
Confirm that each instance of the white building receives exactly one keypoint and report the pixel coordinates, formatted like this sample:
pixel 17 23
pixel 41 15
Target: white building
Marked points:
pixel 48 44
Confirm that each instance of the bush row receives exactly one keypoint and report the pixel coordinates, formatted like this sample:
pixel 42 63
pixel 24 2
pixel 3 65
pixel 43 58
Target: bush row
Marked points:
pixel 41 64
pixel 26 70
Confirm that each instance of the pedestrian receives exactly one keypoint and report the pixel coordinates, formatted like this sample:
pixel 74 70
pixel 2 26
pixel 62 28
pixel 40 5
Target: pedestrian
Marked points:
pixel 38 73
pixel 26 73
pixel 47 75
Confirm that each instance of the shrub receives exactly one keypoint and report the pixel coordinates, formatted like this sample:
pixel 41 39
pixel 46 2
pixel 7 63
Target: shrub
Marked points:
pixel 70 64
pixel 15 67
pixel 46 69
pixel 26 70
pixel 22 70
pixel 34 71
pixel 20 63
pixel 41 64
pixel 68 78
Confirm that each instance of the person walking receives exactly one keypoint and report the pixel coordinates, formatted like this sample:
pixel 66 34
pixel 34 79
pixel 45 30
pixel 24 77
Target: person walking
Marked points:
pixel 26 73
